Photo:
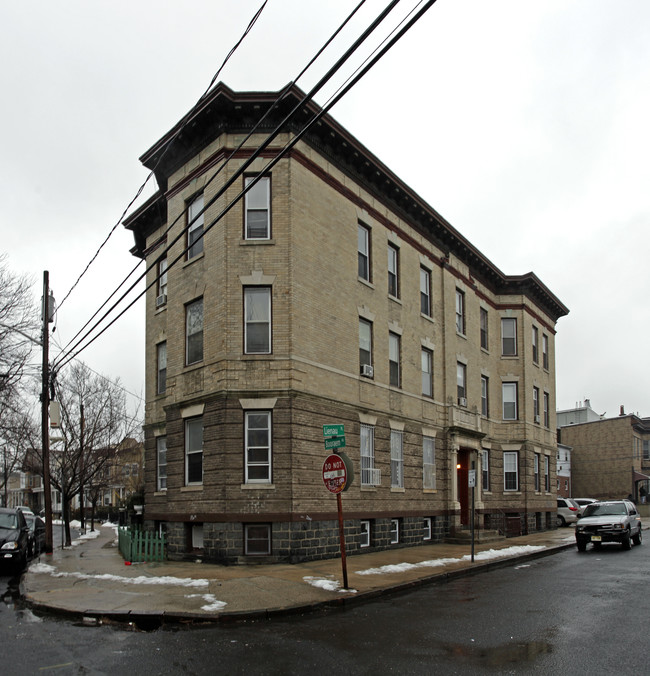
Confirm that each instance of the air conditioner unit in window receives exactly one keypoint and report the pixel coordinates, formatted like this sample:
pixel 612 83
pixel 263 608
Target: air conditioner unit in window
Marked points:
pixel 161 300
pixel 462 401
pixel 537 418
pixel 367 370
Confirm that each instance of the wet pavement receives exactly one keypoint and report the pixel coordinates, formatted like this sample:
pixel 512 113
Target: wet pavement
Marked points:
pixel 91 580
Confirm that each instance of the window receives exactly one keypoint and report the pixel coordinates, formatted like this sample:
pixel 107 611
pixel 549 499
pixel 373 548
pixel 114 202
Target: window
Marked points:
pixel 369 475
pixel 511 470
pixel 195 227
pixel 425 292
pixel 546 410
pixel 257 325
pixel 162 280
pixel 427 372
pixel 484 328
pixel 545 351
pixel 194 451
pixel 536 403
pixel 364 538
pixel 429 463
pixel 485 402
pixel 161 462
pixel 194 332
pixel 646 449
pixel 394 359
pixel 460 312
pixel 461 383
pixel 258 210
pixel 363 247
pixel 547 474
pixel 161 359
pixel 535 345
pixel 394 531
pixel 393 271
pixel 257 539
pixel 485 468
pixel 508 336
pixel 536 471
pixel 509 401
pixel 426 528
pixel 396 459
pixel 258 447
pixel 365 347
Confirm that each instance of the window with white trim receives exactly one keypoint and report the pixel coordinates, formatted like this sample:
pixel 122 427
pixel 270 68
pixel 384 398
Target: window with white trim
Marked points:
pixel 393 271
pixel 545 351
pixel 363 252
pixel 364 537
pixel 162 280
pixel 484 328
pixel 536 470
pixel 461 383
pixel 425 292
pixel 161 370
pixel 161 463
pixel 510 470
pixel 394 531
pixel 428 463
pixel 396 459
pixel 365 347
pixel 536 404
pixel 258 446
pixel 258 208
pixel 427 372
pixel 194 332
pixel 426 528
pixel 257 320
pixel 485 469
pixel 547 474
pixel 509 393
pixel 195 227
pixel 535 345
pixel 509 336
pixel 369 475
pixel 546 404
pixel 257 539
pixel 194 451
pixel 394 360
pixel 460 312
pixel 485 402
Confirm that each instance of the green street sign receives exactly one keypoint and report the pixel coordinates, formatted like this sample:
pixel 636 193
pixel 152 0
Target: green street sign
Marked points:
pixel 333 431
pixel 334 442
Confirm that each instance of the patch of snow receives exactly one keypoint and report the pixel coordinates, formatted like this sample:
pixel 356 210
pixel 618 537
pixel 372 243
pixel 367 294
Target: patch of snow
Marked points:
pixel 212 603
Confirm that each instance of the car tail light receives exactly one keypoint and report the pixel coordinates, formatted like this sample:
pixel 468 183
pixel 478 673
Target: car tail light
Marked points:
pixel 573 509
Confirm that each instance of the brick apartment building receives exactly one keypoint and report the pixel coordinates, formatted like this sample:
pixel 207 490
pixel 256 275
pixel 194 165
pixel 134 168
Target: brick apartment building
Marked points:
pixel 330 293
pixel 610 457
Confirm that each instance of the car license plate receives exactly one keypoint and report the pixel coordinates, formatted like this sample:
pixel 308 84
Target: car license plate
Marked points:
pixel 596 538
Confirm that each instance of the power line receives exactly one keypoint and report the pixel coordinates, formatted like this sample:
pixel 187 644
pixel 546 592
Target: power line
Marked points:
pixel 151 173
pixel 361 71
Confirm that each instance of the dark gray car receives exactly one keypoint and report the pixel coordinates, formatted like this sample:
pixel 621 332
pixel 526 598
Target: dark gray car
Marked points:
pixel 14 538
pixel 609 521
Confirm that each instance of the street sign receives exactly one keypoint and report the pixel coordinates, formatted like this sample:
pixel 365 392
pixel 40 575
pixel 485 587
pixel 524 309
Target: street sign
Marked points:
pixel 333 431
pixel 471 478
pixel 334 442
pixel 334 473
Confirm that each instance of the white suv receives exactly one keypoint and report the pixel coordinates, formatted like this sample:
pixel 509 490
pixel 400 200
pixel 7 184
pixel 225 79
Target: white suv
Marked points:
pixel 567 511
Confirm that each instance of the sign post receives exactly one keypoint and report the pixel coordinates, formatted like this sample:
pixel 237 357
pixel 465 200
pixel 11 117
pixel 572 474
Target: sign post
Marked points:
pixel 471 482
pixel 335 478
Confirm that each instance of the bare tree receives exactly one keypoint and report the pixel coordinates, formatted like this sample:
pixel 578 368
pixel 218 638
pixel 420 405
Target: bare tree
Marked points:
pixel 18 331
pixel 78 460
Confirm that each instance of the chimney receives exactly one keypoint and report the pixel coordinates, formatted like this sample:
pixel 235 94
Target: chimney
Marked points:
pixel 622 410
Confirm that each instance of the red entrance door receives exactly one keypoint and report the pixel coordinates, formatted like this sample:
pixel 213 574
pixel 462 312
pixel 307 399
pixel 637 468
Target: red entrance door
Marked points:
pixel 462 474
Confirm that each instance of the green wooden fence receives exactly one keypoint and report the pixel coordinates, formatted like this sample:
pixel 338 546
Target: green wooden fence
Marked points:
pixel 136 545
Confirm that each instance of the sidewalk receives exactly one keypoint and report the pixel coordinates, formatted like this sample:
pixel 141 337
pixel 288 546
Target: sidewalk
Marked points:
pixel 91 581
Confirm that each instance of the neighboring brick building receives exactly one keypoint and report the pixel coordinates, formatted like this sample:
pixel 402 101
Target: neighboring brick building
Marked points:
pixel 610 457
pixel 564 489
pixel 332 294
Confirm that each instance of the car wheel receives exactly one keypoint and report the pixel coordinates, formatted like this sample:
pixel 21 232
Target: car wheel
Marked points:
pixel 560 521
pixel 638 538
pixel 582 546
pixel 626 542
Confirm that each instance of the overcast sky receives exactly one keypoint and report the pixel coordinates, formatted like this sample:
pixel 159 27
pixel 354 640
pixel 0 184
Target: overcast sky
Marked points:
pixel 524 124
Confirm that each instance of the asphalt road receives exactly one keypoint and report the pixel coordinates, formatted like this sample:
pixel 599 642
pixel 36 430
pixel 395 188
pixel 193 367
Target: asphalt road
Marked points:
pixel 569 613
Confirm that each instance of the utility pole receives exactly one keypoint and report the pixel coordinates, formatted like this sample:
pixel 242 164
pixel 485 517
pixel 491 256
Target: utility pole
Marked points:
pixel 82 470
pixel 45 409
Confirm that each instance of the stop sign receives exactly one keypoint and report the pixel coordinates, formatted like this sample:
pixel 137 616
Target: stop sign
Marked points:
pixel 334 473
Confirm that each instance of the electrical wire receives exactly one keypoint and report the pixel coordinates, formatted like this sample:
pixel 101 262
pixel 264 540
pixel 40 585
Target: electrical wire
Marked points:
pixel 388 44
pixel 182 124
pixel 151 173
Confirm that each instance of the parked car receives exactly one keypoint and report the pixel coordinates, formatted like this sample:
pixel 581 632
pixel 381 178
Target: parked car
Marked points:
pixel 582 503
pixel 24 509
pixel 36 527
pixel 609 521
pixel 567 511
pixel 14 538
